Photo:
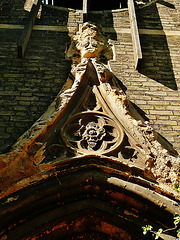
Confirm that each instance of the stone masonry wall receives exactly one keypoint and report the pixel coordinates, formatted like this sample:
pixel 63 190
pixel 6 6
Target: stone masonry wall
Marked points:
pixel 28 86
pixel 154 88
pixel 159 78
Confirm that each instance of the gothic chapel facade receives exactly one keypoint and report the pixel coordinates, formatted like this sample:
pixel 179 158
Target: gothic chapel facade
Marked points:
pixel 90 119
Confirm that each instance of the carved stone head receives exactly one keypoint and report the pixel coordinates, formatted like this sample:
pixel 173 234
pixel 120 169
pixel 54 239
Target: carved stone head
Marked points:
pixel 93 133
pixel 88 43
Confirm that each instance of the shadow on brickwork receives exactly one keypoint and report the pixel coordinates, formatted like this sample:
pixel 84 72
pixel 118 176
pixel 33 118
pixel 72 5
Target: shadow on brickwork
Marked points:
pixel 167 4
pixel 29 85
pixel 156 63
pixel 12 12
pixel 103 19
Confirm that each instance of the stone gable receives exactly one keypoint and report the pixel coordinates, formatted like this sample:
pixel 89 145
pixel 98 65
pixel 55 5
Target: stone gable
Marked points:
pixel 29 85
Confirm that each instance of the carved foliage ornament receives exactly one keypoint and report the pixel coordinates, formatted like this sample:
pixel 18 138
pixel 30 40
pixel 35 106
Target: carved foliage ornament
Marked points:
pixel 92 133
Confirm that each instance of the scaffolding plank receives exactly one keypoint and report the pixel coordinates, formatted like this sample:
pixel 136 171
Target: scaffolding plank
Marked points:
pixel 135 33
pixel 26 33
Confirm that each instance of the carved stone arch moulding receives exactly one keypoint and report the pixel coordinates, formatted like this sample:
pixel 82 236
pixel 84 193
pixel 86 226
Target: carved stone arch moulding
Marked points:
pixel 92 132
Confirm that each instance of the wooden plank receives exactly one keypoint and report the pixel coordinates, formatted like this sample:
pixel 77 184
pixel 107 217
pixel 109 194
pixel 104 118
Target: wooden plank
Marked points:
pixel 85 10
pixel 26 33
pixel 135 33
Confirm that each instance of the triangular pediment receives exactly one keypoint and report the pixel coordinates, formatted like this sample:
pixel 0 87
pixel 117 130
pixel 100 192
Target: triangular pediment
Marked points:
pixel 94 120
pixel 91 118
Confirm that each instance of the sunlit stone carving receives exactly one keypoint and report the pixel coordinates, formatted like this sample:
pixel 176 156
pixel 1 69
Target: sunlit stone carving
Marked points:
pixel 92 116
pixel 88 43
pixel 93 132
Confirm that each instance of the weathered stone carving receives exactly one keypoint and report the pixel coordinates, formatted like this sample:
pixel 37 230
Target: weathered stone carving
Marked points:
pixel 88 43
pixel 158 162
pixel 92 116
pixel 92 133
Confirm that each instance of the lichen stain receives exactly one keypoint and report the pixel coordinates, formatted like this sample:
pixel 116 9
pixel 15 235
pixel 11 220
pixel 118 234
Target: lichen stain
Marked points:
pixel 88 187
pixel 13 180
pixel 128 200
pixel 97 188
pixel 11 226
pixel 4 237
pixel 22 170
pixel 113 202
pixel 126 212
pixel 19 166
pixel 113 231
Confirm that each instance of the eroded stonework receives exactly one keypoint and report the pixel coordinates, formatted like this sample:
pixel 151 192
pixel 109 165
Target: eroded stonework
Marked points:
pixel 88 42
pixel 91 167
pixel 93 132
pixel 92 116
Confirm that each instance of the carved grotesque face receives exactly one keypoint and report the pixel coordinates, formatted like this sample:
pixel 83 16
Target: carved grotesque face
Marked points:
pixel 88 41
pixel 89 47
pixel 93 133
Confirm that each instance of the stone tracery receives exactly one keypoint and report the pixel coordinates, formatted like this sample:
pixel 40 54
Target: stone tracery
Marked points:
pixel 92 132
